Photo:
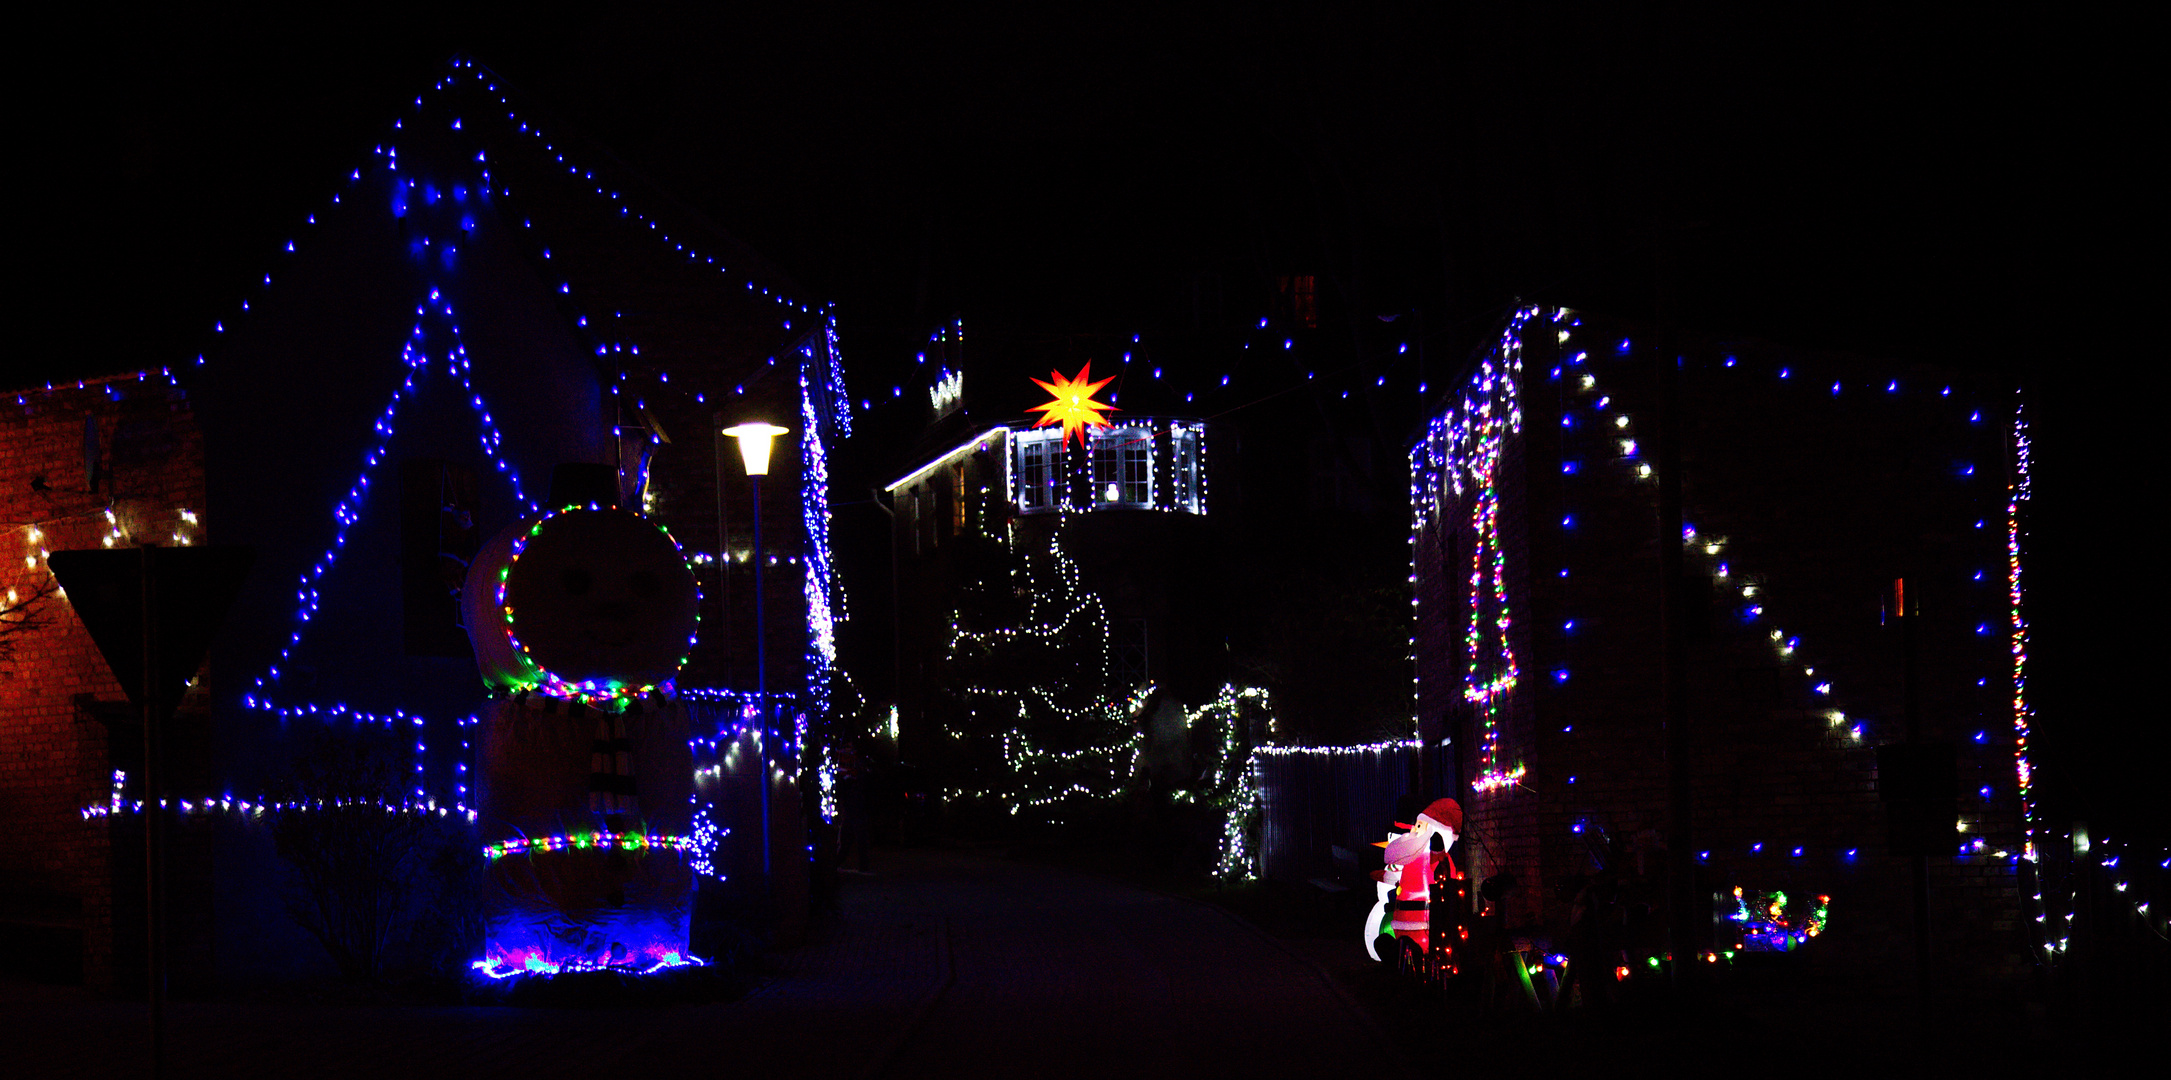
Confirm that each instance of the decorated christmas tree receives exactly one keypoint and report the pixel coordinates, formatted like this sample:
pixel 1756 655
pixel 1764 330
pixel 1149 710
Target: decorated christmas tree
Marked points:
pixel 1030 714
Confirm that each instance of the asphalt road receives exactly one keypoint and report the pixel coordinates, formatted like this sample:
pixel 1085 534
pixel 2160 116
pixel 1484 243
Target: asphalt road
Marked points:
pixel 943 964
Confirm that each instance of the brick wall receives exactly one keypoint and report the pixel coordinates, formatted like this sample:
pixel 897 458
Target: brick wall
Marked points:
pixel 59 706
pixel 1816 500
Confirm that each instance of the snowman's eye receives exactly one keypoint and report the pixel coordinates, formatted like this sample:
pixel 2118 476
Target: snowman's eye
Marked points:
pixel 643 583
pixel 576 581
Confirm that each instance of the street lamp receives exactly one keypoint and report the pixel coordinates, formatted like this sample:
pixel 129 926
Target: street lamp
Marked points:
pixel 754 438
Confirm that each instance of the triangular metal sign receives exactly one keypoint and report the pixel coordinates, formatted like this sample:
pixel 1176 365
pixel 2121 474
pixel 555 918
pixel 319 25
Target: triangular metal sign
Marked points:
pixel 191 590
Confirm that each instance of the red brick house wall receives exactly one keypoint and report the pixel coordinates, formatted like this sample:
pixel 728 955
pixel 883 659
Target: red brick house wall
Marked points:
pixel 1817 498
pixel 57 698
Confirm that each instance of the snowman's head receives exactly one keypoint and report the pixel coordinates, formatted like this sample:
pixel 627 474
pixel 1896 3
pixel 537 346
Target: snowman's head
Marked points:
pixel 594 601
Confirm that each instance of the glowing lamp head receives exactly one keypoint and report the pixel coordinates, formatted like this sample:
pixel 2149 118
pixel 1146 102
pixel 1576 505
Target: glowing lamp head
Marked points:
pixel 754 442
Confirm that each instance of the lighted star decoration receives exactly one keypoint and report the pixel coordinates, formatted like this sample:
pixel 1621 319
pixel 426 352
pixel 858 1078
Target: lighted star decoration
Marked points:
pixel 1073 407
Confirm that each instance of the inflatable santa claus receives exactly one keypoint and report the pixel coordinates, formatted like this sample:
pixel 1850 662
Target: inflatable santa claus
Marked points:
pixel 1412 865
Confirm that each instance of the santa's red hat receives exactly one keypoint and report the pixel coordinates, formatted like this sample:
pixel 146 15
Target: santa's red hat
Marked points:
pixel 1445 813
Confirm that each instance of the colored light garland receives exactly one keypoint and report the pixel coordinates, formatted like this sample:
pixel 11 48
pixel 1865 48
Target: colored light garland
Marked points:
pixel 1770 922
pixel 600 840
pixel 533 965
pixel 2018 494
pixel 594 693
pixel 1466 445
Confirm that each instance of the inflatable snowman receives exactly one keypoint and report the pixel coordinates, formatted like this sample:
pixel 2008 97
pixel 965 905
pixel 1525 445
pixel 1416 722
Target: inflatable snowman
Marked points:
pixel 581 618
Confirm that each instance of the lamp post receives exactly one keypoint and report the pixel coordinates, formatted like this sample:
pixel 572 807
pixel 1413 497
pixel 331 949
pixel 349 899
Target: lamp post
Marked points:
pixel 754 439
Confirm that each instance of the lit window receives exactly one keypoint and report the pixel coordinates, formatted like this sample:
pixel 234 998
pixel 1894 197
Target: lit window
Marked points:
pixel 961 501
pixel 1190 491
pixel 1038 464
pixel 1123 467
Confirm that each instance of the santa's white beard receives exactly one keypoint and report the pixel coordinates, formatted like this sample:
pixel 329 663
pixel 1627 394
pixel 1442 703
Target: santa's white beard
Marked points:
pixel 1407 847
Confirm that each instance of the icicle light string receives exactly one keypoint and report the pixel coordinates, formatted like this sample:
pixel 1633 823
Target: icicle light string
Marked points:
pixel 1466 446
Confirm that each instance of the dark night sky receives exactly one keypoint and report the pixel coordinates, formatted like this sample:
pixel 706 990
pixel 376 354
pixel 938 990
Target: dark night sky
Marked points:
pixel 1953 185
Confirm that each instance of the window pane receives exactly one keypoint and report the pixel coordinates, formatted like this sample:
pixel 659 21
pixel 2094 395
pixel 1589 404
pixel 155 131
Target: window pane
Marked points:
pixel 1037 470
pixel 1138 470
pixel 1123 467
pixel 961 502
pixel 1188 492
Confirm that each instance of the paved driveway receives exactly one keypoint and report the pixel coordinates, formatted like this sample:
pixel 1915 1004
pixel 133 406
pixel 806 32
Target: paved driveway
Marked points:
pixel 944 964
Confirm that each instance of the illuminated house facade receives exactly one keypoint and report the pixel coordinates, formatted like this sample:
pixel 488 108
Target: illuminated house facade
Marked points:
pixel 1132 507
pixel 1809 484
pixel 481 320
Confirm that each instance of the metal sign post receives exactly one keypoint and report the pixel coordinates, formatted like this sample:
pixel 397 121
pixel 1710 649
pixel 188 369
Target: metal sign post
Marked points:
pixel 152 612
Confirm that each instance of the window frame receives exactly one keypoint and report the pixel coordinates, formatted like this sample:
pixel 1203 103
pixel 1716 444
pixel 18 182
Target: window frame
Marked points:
pixel 1127 453
pixel 1187 480
pixel 1045 444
